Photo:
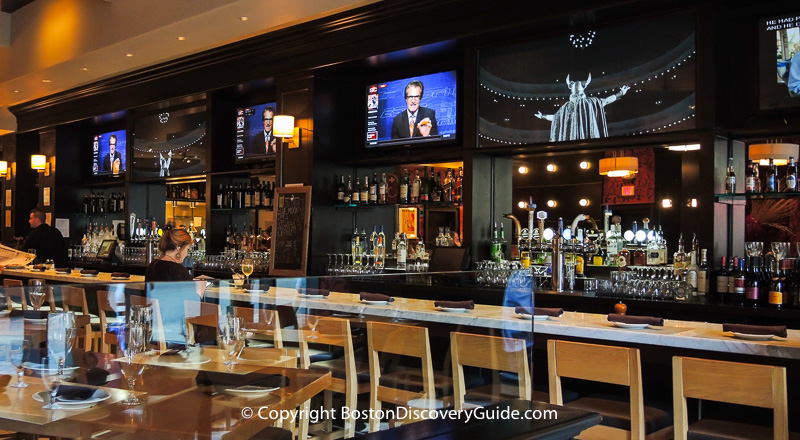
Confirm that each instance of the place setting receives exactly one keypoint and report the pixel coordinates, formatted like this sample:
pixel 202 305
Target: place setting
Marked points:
pixel 539 313
pixel 454 306
pixel 375 299
pixel 311 293
pixel 755 332
pixel 631 322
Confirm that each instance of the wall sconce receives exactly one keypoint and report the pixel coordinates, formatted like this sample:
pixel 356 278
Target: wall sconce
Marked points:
pixel 551 168
pixel 283 127
pixel 39 163
pixel 3 168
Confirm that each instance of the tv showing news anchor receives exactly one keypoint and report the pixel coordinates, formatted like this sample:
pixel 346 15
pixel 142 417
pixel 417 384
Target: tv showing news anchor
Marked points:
pixel 410 110
pixel 109 153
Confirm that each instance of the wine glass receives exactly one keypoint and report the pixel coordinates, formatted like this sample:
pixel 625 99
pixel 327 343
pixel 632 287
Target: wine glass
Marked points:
pixel 312 321
pixel 52 378
pixel 16 354
pixel 247 268
pixel 61 334
pixel 130 346
pixel 36 293
pixel 231 337
pixel 143 315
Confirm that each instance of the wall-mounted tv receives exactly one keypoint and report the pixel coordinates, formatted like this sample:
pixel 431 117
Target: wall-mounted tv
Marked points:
pixel 170 143
pixel 779 61
pixel 254 137
pixel 412 110
pixel 627 79
pixel 109 155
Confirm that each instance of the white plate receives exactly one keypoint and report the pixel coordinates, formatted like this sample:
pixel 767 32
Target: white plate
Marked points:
pixel 375 303
pixel 88 275
pixel 541 317
pixel 35 320
pixel 525 316
pixel 250 390
pixel 254 290
pixel 631 326
pixel 179 362
pixel 452 309
pixel 39 367
pixel 98 396
pixel 749 337
pixel 4 313
pixel 312 296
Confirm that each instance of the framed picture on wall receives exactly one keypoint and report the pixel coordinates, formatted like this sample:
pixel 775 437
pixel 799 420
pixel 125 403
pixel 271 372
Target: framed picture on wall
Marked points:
pixel 408 221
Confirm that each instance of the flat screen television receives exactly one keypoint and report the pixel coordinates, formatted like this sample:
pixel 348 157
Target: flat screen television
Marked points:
pixel 169 144
pixel 615 80
pixel 254 137
pixel 429 101
pixel 109 155
pixel 779 62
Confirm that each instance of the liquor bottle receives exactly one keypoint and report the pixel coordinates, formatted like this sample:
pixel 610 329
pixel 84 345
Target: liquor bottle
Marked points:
pixel 340 191
pixel 702 273
pixel 739 281
pixel 257 200
pixel 730 178
pixel 382 190
pixel 355 247
pixel 271 194
pixel 791 176
pixel 772 177
pixel 438 190
pixel 495 253
pixel 752 283
pixel 365 190
pixel 750 177
pixel 652 251
pixel 373 189
pixel 380 250
pixel 356 194
pixel 683 290
pixel 775 298
pixel 733 272
pixel 722 280
pixel 662 248
pixel 248 195
pixel 402 251
pixel 219 197
pixel 101 204
pixel 679 257
pixel 425 187
pixel 415 187
pixel 459 186
pixel 121 202
pixel 348 194
pixel 86 204
pixel 404 187
pixel 373 241
pixel 447 186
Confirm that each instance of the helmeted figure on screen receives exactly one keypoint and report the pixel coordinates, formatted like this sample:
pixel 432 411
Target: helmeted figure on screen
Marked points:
pixel 583 117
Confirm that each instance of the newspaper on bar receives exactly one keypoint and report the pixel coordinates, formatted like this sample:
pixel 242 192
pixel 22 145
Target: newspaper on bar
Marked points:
pixel 13 257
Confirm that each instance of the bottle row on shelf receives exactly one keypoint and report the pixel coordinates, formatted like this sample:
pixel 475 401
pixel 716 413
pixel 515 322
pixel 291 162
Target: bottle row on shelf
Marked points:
pixel 245 195
pixel 100 204
pixel 186 191
pixel 772 182
pixel 425 186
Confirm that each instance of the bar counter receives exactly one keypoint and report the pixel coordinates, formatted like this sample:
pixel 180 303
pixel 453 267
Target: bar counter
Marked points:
pixel 73 276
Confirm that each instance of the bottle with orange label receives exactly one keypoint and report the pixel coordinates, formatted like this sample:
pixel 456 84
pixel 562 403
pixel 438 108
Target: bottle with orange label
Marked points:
pixel 775 297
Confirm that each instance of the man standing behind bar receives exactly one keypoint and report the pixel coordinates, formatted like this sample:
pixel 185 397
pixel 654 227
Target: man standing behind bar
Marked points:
pixel 415 121
pixel 265 142
pixel 47 240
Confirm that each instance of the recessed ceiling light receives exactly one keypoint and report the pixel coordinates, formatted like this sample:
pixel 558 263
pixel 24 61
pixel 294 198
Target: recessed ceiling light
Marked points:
pixel 46 81
pixel 243 18
pixel 128 55
pixel 181 38
pixel 16 91
pixel 551 168
pixel 523 170
pixel 84 68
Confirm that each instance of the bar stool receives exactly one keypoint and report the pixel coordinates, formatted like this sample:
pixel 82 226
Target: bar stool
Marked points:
pixel 75 297
pixel 15 295
pixel 401 340
pixel 762 386
pixel 262 325
pixel 615 365
pixel 493 353
pixel 346 371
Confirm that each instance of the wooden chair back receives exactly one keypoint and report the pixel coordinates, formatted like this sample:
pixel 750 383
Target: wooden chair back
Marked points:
pixel 489 352
pixel 200 314
pixel 158 324
pixel 72 298
pixel 16 292
pixel 598 363
pixel 267 322
pixel 403 340
pixel 104 307
pixel 762 386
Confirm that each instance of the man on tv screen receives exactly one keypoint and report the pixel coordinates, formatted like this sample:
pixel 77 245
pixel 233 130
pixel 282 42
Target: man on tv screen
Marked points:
pixel 264 142
pixel 794 74
pixel 113 159
pixel 415 121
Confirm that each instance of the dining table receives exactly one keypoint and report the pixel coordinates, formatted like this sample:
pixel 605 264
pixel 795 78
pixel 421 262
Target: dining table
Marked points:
pixel 197 397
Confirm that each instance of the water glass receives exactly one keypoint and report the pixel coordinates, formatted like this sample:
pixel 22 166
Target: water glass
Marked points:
pixel 130 348
pixel 231 338
pixel 143 315
pixel 16 354
pixel 52 377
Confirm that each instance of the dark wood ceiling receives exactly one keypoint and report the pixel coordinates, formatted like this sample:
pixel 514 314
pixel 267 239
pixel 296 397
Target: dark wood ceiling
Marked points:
pixel 13 5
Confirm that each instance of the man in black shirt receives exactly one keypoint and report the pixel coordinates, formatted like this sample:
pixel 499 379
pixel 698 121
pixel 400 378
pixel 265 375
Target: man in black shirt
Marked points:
pixel 47 240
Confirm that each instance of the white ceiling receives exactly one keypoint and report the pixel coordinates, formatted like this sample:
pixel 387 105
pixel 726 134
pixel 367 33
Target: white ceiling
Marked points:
pixel 57 45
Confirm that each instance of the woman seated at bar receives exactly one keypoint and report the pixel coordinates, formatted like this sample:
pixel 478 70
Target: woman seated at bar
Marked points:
pixel 174 245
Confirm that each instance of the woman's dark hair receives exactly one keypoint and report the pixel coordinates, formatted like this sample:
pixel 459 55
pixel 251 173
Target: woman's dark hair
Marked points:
pixel 173 238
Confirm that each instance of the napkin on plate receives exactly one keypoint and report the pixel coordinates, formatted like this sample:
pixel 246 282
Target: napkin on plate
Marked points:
pixel 310 291
pixel 628 319
pixel 97 376
pixel 556 312
pixel 367 296
pixel 63 270
pixel 227 380
pixel 89 272
pixel 455 304
pixel 39 267
pixel 120 275
pixel 777 330
pixel 74 393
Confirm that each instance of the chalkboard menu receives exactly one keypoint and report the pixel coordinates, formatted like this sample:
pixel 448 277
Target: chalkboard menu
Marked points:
pixel 292 214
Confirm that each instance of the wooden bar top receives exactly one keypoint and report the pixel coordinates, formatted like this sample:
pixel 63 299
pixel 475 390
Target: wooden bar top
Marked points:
pixel 74 276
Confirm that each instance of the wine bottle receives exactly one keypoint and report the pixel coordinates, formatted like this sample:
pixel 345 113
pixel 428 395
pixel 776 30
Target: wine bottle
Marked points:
pixel 730 178
pixel 373 190
pixel 772 177
pixel 752 283
pixel 722 280
pixel 791 176
pixel 340 192
pixel 750 178
pixel 382 190
pixel 404 188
